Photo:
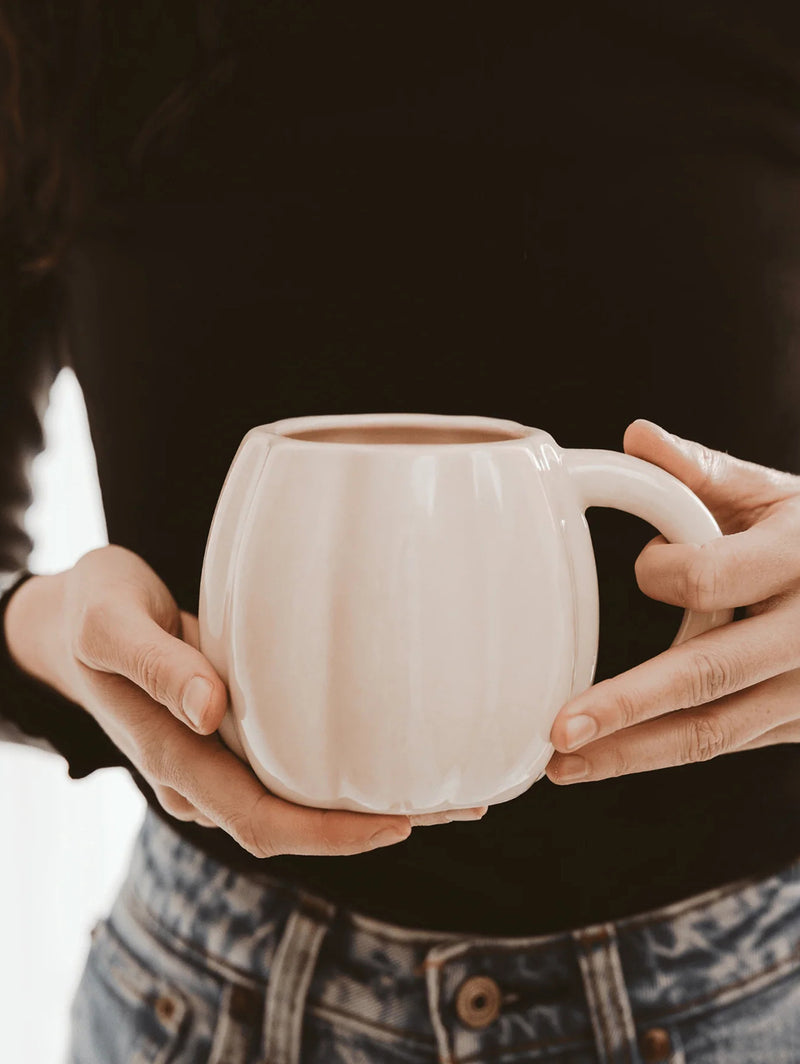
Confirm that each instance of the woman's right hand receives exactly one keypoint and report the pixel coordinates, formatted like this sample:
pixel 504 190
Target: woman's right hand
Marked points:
pixel 108 635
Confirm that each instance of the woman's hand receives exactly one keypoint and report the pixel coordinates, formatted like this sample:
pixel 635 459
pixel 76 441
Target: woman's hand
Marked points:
pixel 733 688
pixel 108 635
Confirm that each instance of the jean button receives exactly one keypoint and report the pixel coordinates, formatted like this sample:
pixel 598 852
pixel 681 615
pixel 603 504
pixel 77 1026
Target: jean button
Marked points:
pixel 478 1001
pixel 655 1045
pixel 165 1008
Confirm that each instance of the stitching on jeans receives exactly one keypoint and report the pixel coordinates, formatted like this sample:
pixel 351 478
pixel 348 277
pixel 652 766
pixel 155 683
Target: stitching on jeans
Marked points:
pixel 678 908
pixel 471 946
pixel 636 920
pixel 598 1002
pixel 406 936
pixel 332 1013
pixel 387 936
pixel 281 1000
pixel 425 965
pixel 305 963
pixel 209 962
pixel 794 955
pixel 132 980
pixel 429 939
pixel 497 1051
pixel 621 1006
pixel 665 914
pixel 224 1026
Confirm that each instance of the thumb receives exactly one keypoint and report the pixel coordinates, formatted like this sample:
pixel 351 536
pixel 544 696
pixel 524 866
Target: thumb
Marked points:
pixel 730 487
pixel 126 640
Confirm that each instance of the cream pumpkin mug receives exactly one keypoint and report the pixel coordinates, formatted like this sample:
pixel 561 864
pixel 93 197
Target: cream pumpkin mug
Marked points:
pixel 401 603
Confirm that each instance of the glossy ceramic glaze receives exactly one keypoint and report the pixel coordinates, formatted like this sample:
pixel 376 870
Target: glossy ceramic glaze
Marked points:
pixel 401 603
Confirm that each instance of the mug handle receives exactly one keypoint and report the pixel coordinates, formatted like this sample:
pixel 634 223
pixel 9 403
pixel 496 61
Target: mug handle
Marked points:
pixel 624 482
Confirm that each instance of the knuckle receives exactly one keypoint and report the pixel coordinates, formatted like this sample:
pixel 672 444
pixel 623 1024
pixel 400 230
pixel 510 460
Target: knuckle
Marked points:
pixel 328 840
pixel 155 761
pixel 701 585
pixel 792 506
pixel 92 631
pixel 250 831
pixel 181 797
pixel 710 676
pixel 151 671
pixel 711 463
pixel 621 765
pixel 704 739
pixel 181 774
pixel 174 803
pixel 627 708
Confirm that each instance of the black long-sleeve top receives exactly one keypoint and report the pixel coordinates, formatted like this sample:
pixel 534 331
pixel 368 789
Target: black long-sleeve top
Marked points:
pixel 569 215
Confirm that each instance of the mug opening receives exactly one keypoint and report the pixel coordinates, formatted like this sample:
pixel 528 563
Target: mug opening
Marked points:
pixel 393 434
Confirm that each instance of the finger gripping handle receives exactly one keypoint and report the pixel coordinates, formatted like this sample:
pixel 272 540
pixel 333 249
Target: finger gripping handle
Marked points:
pixel 624 482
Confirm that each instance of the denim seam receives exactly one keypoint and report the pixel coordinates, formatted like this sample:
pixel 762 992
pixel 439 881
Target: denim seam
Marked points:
pixel 132 979
pixel 397 933
pixel 294 964
pixel 789 964
pixel 184 951
pixel 524 1047
pixel 619 992
pixel 433 981
pixel 342 1018
pixel 706 900
pixel 230 1035
pixel 120 961
pixel 595 1001
pixel 471 945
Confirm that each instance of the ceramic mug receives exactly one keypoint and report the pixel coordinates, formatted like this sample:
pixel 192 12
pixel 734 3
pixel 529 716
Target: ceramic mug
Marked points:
pixel 401 603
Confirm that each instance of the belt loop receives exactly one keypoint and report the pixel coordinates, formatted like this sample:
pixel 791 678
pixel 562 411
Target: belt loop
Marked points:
pixel 240 1012
pixel 290 976
pixel 606 994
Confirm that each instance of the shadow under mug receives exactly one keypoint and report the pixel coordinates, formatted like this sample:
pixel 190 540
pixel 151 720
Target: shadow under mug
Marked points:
pixel 401 603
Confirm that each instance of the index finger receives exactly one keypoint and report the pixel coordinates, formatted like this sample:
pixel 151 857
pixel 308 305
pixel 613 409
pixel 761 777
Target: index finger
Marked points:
pixel 702 669
pixel 119 636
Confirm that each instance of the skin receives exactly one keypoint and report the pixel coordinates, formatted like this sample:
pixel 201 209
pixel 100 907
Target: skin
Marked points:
pixel 108 635
pixel 734 688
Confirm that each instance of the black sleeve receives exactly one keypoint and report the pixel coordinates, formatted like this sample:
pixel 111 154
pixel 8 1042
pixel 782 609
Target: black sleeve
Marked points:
pixel 47 101
pixel 32 712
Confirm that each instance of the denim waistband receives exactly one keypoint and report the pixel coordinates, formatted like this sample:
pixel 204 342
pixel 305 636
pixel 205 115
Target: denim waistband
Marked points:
pixel 596 982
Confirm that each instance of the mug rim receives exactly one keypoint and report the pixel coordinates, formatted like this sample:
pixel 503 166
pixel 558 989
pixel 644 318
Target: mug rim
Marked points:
pixel 283 428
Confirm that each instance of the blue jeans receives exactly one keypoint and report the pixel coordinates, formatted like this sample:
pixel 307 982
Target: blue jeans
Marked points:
pixel 198 964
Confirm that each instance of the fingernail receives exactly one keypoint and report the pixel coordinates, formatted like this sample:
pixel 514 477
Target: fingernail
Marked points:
pixel 580 730
pixel 196 698
pixel 388 836
pixel 470 814
pixel 572 768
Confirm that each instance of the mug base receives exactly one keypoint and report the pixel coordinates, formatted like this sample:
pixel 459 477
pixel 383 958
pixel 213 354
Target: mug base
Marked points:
pixel 535 773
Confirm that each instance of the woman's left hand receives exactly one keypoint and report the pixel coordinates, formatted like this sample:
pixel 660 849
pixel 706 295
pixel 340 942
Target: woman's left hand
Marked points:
pixel 736 687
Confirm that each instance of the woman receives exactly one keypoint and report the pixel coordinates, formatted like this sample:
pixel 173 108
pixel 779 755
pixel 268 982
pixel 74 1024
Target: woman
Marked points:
pixel 222 214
